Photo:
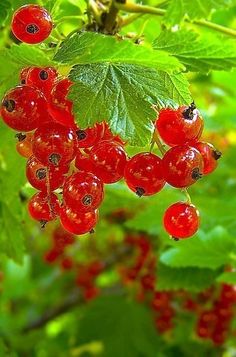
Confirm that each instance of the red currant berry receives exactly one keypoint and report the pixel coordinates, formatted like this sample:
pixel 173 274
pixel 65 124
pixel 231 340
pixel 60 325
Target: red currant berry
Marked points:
pixel 42 78
pixel 43 207
pixel 144 174
pixel 62 238
pixel 24 108
pixel 83 162
pixel 31 24
pixel 179 126
pixel 90 136
pixel 59 106
pixel 209 154
pixel 83 191
pixel 182 166
pixel 45 178
pixel 181 220
pixel 24 145
pixel 23 74
pixel 52 255
pixel 78 222
pixel 54 144
pixel 67 263
pixel 109 160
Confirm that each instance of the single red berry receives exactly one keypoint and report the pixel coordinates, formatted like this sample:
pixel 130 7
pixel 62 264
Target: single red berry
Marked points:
pixel 54 144
pixel 62 238
pixel 95 268
pixel 43 207
pixel 179 126
pixel 23 74
pixel 144 174
pixel 52 255
pixel 209 154
pixel 182 166
pixel 83 191
pixel 91 293
pixel 24 108
pixel 45 178
pixel 31 24
pixel 42 78
pixel 90 136
pixel 83 162
pixel 78 222
pixel 148 281
pixel 60 107
pixel 181 220
pixel 109 159
pixel 24 144
pixel 67 263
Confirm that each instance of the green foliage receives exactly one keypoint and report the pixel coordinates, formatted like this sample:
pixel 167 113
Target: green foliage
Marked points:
pixel 5 6
pixel 190 279
pixel 125 328
pixel 194 9
pixel 227 278
pixel 206 250
pixel 198 53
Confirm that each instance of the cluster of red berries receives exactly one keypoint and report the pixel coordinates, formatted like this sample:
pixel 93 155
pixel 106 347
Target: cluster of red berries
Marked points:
pixel 80 161
pixel 85 274
pixel 214 323
pixel 141 277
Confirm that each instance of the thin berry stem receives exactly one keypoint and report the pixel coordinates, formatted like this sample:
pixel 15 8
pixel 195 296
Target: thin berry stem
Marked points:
pixel 145 9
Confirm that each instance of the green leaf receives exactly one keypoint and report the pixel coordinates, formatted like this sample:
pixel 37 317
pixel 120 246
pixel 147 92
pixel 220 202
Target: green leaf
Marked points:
pixel 190 279
pixel 125 328
pixel 198 53
pixel 11 181
pixel 14 59
pixel 4 9
pixel 123 95
pixel 194 9
pixel 90 47
pixel 228 278
pixel 210 250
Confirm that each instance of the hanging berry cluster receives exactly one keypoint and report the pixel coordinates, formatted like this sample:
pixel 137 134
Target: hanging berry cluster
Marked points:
pixel 61 156
pixel 141 278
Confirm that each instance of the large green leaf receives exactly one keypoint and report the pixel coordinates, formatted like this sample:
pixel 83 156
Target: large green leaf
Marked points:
pixel 198 53
pixel 194 9
pixel 125 328
pixel 210 250
pixel 4 9
pixel 123 94
pixel 90 47
pixel 190 279
pixel 14 59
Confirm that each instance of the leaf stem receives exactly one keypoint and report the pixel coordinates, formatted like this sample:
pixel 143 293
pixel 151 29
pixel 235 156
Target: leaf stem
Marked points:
pixel 145 9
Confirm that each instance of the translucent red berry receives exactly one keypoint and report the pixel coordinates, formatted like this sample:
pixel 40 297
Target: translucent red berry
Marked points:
pixel 24 144
pixel 182 166
pixel 181 220
pixel 60 107
pixel 31 24
pixel 54 144
pixel 109 159
pixel 45 178
pixel 144 174
pixel 83 162
pixel 43 207
pixel 24 108
pixel 179 126
pixel 42 78
pixel 77 222
pixel 90 136
pixel 209 154
pixel 83 191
